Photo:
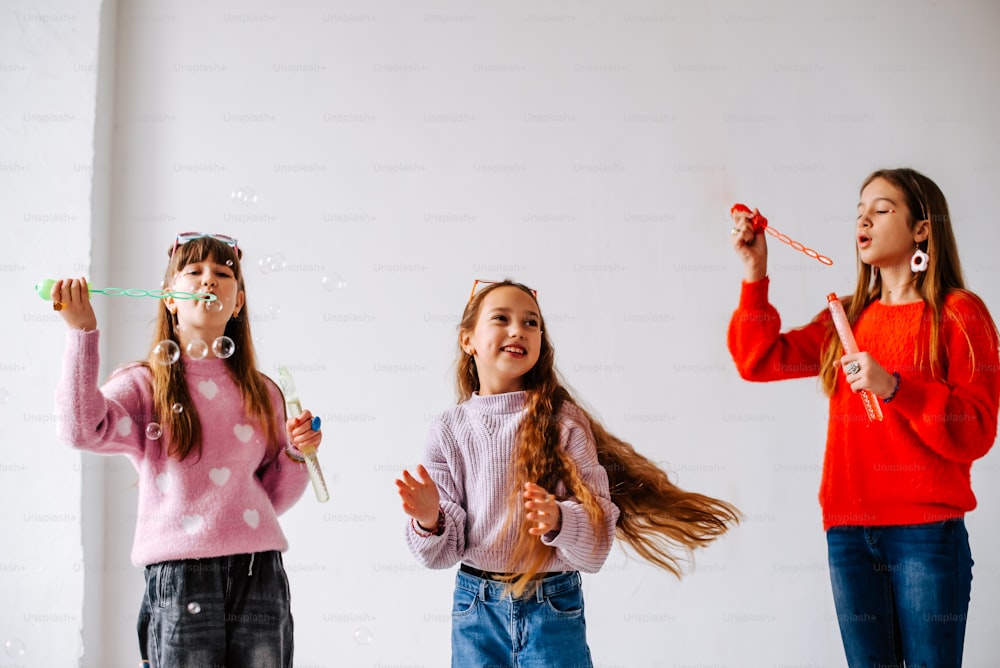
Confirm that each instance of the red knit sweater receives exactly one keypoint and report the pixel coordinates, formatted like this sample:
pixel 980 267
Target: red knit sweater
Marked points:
pixel 913 467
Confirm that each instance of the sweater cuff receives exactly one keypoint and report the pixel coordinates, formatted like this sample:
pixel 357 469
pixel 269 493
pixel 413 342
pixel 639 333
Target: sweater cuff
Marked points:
pixel 918 402
pixel 753 296
pixel 568 527
pixel 294 454
pixel 81 360
pixel 423 533
pixel 84 342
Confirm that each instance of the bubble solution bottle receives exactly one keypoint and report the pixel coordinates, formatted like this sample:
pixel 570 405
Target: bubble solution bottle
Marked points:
pixel 850 346
pixel 295 409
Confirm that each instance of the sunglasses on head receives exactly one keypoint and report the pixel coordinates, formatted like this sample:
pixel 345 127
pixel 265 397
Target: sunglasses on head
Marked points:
pixel 185 237
pixel 478 284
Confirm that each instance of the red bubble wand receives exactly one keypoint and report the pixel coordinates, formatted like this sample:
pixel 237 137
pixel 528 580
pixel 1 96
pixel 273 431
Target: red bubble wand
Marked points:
pixel 760 225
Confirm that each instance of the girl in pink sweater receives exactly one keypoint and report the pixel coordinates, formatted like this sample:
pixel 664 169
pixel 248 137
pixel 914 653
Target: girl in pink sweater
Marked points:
pixel 203 430
pixel 526 489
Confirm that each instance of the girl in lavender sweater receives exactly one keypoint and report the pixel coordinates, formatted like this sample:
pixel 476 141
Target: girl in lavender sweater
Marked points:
pixel 526 489
pixel 204 433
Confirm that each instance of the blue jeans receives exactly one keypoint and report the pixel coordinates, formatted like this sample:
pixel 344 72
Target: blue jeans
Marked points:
pixel 225 611
pixel 541 629
pixel 902 593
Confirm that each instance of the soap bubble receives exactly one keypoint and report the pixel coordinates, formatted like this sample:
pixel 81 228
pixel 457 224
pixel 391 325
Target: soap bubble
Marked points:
pixel 214 306
pixel 177 408
pixel 223 347
pixel 153 431
pixel 197 349
pixel 244 196
pixel 333 282
pixel 4 396
pixel 274 310
pixel 13 648
pixel 194 607
pixel 270 263
pixel 229 263
pixel 166 352
pixel 362 636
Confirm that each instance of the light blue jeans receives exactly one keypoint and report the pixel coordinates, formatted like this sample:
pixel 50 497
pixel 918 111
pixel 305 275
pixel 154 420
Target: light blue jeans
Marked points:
pixel 541 629
pixel 902 593
pixel 224 611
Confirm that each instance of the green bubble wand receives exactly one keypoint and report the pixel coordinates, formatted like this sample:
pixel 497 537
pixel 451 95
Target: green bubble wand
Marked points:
pixel 44 290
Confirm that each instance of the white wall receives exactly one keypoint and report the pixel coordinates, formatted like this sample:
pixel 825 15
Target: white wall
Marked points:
pixel 590 150
pixel 48 128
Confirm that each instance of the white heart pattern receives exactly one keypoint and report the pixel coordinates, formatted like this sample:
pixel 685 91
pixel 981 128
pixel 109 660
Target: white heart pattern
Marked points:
pixel 124 426
pixel 251 517
pixel 163 482
pixel 219 476
pixel 243 432
pixel 192 523
pixel 208 388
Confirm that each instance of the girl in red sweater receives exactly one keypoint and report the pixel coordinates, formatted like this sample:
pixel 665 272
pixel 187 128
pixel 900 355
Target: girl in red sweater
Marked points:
pixel 894 493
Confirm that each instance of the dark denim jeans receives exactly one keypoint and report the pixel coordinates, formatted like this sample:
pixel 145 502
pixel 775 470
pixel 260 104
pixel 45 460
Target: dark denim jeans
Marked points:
pixel 541 629
pixel 213 613
pixel 902 593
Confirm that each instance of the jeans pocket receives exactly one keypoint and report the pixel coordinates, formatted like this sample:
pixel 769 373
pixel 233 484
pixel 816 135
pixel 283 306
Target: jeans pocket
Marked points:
pixel 464 603
pixel 161 585
pixel 566 604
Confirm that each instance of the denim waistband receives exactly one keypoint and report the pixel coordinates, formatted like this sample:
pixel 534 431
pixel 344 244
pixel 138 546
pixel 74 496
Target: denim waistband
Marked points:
pixel 495 589
pixel 243 561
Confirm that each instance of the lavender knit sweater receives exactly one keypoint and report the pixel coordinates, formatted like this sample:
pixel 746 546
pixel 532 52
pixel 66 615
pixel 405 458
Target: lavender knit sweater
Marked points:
pixel 225 502
pixel 468 455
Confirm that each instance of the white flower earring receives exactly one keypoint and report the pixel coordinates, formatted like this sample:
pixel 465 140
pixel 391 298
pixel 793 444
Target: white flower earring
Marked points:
pixel 919 261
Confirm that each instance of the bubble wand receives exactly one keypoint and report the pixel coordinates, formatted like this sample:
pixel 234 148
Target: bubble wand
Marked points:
pixel 309 452
pixel 760 225
pixel 851 347
pixel 44 290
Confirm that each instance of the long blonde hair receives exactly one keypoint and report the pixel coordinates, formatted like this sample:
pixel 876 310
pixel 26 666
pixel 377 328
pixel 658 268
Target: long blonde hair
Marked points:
pixel 924 201
pixel 183 429
pixel 657 519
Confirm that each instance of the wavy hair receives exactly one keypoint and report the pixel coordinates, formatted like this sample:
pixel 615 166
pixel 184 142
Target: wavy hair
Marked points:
pixel 168 380
pixel 661 522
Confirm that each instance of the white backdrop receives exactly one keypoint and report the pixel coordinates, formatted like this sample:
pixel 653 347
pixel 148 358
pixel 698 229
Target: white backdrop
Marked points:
pixel 375 158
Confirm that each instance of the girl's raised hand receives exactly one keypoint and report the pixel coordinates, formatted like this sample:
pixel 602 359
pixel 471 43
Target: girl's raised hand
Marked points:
pixel 543 510
pixel 301 434
pixel 71 299
pixel 421 498
pixel 749 245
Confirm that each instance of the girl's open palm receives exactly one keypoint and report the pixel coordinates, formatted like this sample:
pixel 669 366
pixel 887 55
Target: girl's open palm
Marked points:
pixel 421 498
pixel 543 510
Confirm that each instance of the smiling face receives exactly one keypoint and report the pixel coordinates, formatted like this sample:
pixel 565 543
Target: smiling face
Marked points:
pixel 885 235
pixel 505 341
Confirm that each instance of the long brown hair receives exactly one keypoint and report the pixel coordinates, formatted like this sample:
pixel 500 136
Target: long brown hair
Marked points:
pixel 924 201
pixel 657 519
pixel 183 429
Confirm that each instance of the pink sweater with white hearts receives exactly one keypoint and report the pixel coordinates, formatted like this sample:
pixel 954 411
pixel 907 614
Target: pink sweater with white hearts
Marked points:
pixel 225 502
